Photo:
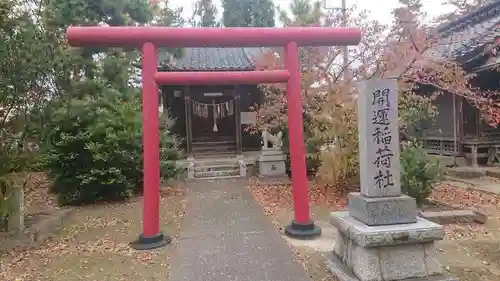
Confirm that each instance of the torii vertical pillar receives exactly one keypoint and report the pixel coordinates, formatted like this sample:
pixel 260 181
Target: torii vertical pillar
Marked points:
pixel 149 38
pixel 151 237
pixel 302 226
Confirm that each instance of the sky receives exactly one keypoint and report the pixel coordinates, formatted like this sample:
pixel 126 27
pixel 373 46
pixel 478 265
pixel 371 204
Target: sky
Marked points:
pixel 379 11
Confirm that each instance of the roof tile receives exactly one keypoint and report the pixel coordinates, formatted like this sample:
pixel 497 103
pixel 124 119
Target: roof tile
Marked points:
pixel 463 36
pixel 215 59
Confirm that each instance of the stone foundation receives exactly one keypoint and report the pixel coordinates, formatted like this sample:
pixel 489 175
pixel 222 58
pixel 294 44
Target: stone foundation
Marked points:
pixel 385 253
pixel 272 162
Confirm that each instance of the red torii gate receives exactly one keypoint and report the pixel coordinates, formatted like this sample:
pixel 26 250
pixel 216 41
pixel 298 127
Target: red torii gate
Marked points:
pixel 148 38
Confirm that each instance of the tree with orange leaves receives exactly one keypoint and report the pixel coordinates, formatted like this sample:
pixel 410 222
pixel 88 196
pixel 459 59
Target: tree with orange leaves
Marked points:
pixel 404 51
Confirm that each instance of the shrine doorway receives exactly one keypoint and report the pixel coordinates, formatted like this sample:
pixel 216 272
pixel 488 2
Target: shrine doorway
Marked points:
pixel 213 119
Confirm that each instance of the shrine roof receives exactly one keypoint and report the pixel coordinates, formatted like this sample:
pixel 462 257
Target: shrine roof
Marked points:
pixel 464 37
pixel 213 59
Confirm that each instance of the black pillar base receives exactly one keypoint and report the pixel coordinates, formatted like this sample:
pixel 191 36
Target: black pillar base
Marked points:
pixel 150 243
pixel 303 231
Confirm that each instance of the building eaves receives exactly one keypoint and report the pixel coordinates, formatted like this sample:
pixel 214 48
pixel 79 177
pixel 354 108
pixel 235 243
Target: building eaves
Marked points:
pixel 464 36
pixel 213 59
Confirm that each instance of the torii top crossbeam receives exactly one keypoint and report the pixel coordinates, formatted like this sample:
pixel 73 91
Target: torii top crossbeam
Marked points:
pixel 212 37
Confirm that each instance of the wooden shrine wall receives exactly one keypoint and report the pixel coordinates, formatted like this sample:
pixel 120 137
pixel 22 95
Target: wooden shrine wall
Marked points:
pixel 202 126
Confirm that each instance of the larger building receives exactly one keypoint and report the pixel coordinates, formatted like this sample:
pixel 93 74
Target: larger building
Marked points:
pixel 460 130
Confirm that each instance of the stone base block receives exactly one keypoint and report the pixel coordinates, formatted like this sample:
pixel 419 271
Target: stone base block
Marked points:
pixel 271 151
pixel 383 211
pixel 422 231
pixel 272 163
pixel 387 253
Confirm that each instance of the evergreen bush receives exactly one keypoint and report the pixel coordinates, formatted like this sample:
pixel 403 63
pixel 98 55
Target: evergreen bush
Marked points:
pixel 94 148
pixel 418 172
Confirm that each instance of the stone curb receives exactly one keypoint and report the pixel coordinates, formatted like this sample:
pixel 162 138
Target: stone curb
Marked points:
pixel 477 189
pixel 34 235
pixel 479 216
pixel 469 173
pixel 50 226
pixel 449 217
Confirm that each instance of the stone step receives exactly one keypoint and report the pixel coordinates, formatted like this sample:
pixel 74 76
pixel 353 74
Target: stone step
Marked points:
pixel 219 178
pixel 215 168
pixel 214 155
pixel 216 160
pixel 219 167
pixel 217 174
pixel 466 172
pixel 214 142
pixel 214 148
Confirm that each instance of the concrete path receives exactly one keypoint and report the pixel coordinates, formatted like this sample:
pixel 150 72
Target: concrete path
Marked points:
pixel 225 236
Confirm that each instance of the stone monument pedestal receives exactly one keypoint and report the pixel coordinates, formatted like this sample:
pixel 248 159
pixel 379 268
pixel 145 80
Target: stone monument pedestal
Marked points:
pixel 387 252
pixel 272 162
pixel 382 210
pixel 381 238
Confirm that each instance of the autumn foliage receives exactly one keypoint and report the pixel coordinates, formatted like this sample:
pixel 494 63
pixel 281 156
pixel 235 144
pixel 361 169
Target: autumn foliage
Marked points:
pixel 402 51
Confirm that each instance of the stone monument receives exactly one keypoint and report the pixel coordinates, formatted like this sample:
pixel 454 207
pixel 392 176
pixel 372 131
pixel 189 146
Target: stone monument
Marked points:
pixel 380 237
pixel 16 217
pixel 272 159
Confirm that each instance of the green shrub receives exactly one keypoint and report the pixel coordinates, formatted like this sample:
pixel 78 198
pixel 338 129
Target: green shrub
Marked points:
pixel 311 148
pixel 418 172
pixel 94 149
